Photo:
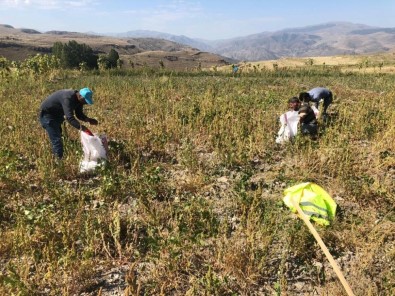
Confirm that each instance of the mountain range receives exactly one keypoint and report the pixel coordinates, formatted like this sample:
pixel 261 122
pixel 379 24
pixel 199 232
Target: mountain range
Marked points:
pixel 19 44
pixel 335 38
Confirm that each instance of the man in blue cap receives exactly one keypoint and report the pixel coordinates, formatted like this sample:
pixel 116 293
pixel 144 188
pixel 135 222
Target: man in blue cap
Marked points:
pixel 64 104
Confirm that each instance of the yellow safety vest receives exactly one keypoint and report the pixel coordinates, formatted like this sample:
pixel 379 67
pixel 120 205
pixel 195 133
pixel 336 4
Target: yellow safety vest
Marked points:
pixel 315 202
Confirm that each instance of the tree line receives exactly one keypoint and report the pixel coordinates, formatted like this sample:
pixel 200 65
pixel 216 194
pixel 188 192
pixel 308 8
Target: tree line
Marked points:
pixel 71 55
pixel 75 55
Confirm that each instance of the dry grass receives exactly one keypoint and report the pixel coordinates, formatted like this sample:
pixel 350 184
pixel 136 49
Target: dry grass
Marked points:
pixel 379 63
pixel 190 203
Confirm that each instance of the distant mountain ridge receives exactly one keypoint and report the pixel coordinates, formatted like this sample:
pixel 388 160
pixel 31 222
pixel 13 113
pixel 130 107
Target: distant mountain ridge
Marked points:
pixel 326 39
pixel 19 44
pixel 194 43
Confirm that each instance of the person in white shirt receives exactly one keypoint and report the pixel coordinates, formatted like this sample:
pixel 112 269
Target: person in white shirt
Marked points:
pixel 289 122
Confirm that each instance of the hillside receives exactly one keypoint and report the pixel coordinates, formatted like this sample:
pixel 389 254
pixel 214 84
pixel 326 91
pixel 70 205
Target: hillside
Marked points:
pixel 336 38
pixel 319 40
pixel 195 43
pixel 18 44
pixel 364 63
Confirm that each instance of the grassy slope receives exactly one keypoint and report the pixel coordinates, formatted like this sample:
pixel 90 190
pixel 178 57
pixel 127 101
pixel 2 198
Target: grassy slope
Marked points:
pixel 191 200
pixel 377 63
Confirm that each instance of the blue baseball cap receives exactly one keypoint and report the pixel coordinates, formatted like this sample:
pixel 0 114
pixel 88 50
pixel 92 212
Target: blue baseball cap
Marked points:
pixel 87 94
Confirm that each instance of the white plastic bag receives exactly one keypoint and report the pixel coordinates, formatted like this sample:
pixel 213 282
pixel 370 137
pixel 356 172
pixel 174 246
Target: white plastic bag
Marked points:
pixel 95 151
pixel 289 126
pixel 316 111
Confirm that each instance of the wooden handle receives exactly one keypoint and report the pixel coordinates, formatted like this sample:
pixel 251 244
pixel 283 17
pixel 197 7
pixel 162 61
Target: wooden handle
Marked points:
pixel 324 248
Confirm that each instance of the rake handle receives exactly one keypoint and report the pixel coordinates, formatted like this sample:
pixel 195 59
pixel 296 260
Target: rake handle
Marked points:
pixel 324 249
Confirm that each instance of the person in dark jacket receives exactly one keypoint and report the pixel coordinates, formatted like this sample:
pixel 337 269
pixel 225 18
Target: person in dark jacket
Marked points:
pixel 316 94
pixel 307 120
pixel 65 104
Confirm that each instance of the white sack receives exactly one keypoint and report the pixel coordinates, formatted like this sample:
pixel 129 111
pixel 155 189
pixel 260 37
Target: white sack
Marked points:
pixel 289 126
pixel 95 151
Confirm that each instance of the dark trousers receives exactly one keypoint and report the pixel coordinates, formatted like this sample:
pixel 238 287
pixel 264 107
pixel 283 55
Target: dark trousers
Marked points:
pixel 53 126
pixel 309 129
pixel 327 101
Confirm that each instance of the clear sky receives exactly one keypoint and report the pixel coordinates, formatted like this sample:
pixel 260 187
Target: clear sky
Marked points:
pixel 207 19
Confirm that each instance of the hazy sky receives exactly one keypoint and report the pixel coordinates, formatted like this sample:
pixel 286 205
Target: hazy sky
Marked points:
pixel 207 19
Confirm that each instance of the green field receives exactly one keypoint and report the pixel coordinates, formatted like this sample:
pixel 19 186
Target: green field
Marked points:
pixel 190 202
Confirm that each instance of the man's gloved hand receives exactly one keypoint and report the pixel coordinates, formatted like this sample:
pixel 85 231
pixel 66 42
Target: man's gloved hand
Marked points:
pixel 93 121
pixel 87 131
